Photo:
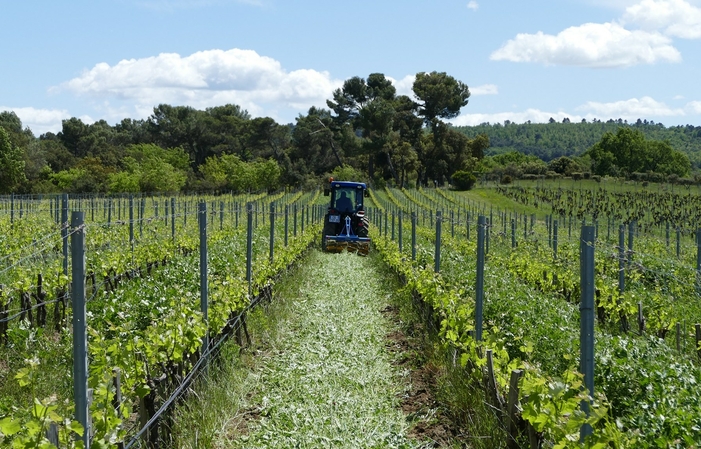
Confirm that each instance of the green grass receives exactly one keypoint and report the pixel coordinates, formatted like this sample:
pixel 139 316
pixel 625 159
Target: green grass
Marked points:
pixel 491 197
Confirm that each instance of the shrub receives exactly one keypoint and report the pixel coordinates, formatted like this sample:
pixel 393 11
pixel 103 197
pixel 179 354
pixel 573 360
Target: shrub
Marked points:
pixel 506 179
pixel 586 175
pixel 463 180
pixel 655 177
pixel 596 178
pixel 637 176
pixel 577 176
pixel 347 173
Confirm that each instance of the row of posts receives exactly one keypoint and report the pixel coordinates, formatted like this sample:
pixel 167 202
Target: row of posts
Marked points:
pixel 308 212
pixel 78 287
pixel 587 241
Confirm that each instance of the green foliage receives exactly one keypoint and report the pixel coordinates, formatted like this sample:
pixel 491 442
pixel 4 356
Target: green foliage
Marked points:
pixel 145 325
pixel 563 165
pixel 549 141
pixel 67 179
pixel 11 164
pixel 89 175
pixel 628 151
pixel 150 168
pixel 348 173
pixel 442 95
pixel 463 180
pixel 229 172
pixel 30 432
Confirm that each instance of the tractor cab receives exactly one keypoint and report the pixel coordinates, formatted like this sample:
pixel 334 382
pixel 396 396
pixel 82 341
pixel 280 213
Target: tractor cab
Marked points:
pixel 346 197
pixel 345 224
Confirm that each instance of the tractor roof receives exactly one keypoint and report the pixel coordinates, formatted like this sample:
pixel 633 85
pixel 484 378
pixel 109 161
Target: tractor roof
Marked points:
pixel 347 184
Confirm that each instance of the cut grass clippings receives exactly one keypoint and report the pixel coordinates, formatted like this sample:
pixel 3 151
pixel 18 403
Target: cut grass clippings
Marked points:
pixel 329 381
pixel 319 372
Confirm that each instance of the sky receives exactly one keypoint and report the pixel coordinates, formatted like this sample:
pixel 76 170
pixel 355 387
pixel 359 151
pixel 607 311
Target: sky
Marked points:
pixel 522 60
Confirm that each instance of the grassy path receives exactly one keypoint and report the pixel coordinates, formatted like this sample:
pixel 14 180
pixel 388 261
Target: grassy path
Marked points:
pixel 327 379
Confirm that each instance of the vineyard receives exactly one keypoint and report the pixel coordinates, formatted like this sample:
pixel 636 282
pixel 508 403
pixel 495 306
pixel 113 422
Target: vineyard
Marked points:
pixel 153 284
pixel 576 311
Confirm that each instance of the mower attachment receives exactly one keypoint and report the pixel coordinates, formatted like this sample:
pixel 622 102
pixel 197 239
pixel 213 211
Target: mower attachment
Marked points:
pixel 348 241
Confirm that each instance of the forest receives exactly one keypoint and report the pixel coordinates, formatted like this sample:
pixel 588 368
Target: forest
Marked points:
pixel 366 129
pixel 554 139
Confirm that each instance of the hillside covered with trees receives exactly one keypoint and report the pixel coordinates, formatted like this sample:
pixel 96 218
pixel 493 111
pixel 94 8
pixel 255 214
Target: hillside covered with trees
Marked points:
pixel 551 140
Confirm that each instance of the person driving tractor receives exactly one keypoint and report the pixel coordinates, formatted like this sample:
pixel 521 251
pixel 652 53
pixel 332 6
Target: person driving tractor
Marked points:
pixel 344 203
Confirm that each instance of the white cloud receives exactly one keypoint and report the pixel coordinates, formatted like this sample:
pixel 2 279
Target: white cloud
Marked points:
pixel 473 5
pixel 630 110
pixel 673 17
pixel 404 86
pixel 534 115
pixel 590 45
pixel 40 121
pixel 484 89
pixel 203 79
pixel 693 107
pixel 633 108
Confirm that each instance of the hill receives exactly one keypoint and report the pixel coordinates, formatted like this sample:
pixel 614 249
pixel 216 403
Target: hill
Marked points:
pixel 551 140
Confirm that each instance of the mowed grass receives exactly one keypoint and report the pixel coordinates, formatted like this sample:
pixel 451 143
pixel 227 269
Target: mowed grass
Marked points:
pixel 324 377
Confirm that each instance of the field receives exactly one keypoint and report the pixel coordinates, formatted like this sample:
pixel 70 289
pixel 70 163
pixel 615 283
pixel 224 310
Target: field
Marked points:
pixel 495 272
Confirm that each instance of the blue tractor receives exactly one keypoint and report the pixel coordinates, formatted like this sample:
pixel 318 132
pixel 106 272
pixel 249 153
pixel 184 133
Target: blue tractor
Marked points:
pixel 345 223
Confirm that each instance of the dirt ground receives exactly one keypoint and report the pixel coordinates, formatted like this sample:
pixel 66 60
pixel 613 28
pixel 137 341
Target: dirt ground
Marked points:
pixel 419 404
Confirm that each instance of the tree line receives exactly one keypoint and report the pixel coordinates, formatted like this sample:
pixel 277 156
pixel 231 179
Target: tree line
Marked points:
pixel 366 126
pixel 554 139
pixel 625 153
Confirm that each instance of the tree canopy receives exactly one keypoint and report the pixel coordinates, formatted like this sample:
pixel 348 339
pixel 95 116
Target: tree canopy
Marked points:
pixel 11 164
pixel 629 152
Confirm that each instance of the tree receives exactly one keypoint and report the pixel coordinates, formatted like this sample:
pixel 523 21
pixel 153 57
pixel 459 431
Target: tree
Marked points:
pixel 563 165
pixel 478 145
pixel 368 108
pixel 442 96
pixel 314 149
pixel 463 180
pixel 266 174
pixel 267 139
pixel 13 126
pixel 150 168
pixel 347 173
pixel 11 164
pixel 629 151
pixel 57 155
pixel 231 173
pixel 180 126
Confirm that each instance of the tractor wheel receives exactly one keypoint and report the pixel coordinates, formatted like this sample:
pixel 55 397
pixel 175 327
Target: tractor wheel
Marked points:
pixel 328 230
pixel 363 230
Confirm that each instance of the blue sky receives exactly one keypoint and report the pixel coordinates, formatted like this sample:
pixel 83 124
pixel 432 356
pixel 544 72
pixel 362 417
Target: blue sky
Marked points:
pixel 113 59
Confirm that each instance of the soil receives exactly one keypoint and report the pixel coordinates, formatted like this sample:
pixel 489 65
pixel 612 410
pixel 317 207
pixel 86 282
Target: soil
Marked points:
pixel 429 421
